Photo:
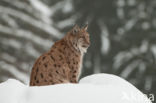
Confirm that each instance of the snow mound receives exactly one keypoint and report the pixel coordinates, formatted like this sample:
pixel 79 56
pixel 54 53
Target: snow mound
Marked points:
pixel 11 91
pixel 98 88
pixel 105 79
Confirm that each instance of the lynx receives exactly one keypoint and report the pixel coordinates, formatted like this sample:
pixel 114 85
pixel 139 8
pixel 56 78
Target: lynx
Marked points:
pixel 63 62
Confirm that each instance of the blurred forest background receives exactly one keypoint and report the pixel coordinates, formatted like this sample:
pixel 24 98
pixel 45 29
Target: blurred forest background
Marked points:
pixel 122 32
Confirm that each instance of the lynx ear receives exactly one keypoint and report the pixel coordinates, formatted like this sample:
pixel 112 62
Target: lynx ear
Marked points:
pixel 75 29
pixel 85 27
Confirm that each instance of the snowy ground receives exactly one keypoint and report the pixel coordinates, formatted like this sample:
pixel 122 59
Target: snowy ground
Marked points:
pixel 98 88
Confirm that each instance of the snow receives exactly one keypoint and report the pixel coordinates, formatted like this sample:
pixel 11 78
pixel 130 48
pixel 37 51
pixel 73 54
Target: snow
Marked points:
pixel 104 38
pixel 153 49
pixel 11 42
pixel 98 88
pixel 41 6
pixel 129 69
pixel 31 21
pixel 12 69
pixel 68 7
pixel 44 9
pixel 27 35
pixel 8 57
pixel 67 22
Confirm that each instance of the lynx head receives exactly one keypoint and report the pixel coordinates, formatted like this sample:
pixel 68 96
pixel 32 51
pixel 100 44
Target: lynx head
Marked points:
pixel 79 37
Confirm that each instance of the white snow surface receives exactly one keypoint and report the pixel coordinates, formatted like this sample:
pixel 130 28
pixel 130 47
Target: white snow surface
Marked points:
pixel 97 88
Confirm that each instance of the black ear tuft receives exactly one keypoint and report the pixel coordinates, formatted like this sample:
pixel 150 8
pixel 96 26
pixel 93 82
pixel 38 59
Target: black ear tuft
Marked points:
pixel 85 27
pixel 75 29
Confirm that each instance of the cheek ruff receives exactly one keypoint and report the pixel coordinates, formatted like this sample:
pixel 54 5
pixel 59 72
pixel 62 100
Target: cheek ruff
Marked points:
pixel 83 49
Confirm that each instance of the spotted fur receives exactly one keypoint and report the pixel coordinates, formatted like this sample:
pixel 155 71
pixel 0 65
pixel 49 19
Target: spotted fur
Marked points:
pixel 63 62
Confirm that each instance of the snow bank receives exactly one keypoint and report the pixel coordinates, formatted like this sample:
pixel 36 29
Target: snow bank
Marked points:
pixel 98 88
